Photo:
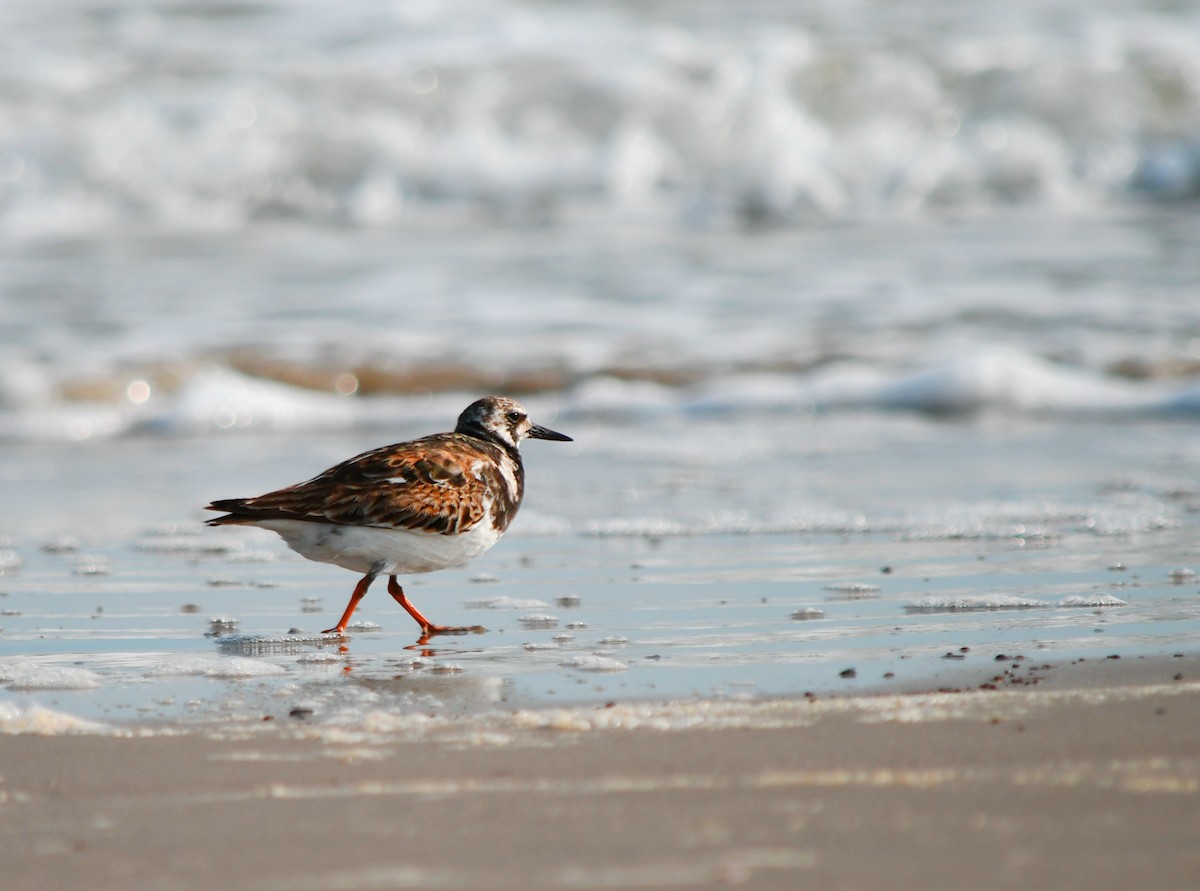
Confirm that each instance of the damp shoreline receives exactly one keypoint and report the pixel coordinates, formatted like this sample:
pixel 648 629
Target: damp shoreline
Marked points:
pixel 769 793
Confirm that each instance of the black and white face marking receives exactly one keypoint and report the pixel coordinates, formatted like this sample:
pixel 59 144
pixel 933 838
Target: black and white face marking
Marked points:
pixel 496 417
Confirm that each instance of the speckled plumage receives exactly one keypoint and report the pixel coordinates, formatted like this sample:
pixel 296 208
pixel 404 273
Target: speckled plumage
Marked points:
pixel 416 506
pixel 445 483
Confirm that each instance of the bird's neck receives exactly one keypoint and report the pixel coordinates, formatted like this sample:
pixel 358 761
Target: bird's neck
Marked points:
pixel 491 438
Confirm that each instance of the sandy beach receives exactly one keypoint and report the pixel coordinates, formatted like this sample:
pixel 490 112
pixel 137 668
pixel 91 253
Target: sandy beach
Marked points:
pixel 1088 780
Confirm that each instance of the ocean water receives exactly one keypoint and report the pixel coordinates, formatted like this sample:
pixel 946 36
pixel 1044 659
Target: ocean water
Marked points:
pixel 878 331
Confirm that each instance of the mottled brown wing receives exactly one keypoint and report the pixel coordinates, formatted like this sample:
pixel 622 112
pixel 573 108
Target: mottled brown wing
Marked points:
pixel 441 483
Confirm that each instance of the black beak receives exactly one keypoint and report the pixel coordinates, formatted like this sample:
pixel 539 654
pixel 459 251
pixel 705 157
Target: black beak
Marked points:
pixel 536 432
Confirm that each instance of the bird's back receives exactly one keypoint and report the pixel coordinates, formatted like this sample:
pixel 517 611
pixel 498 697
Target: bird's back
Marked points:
pixel 446 483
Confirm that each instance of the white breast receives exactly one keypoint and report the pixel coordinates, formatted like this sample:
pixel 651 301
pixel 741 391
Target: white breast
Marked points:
pixel 401 551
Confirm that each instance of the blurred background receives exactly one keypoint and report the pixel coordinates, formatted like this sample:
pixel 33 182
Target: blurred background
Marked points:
pixel 301 217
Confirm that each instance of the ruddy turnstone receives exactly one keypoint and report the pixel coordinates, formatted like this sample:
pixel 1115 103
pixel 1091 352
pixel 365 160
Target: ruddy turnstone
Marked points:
pixel 416 506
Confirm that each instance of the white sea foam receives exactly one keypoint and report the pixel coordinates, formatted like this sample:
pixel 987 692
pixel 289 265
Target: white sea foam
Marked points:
pixel 216 666
pixel 219 399
pixel 821 115
pixel 969 602
pixel 538 620
pixel 853 588
pixel 1009 380
pixel 91 565
pixel 1091 601
pixel 36 720
pixel 29 675
pixel 731 523
pixel 268 642
pixel 593 662
pixel 10 561
pixel 506 603
pixel 193 541
pixel 1012 380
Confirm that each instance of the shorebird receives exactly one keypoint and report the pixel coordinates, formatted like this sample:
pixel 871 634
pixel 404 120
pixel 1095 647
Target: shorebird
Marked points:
pixel 417 506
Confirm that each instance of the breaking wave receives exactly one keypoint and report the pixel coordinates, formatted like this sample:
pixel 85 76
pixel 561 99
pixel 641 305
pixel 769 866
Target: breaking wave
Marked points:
pixel 183 116
pixel 216 400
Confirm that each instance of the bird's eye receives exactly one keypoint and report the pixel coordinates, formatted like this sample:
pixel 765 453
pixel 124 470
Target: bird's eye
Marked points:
pixel 514 417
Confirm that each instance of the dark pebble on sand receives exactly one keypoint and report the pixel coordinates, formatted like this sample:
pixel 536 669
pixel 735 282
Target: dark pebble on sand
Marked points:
pixel 848 673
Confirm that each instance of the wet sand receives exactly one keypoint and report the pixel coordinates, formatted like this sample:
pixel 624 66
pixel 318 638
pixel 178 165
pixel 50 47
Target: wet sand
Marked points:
pixel 1088 779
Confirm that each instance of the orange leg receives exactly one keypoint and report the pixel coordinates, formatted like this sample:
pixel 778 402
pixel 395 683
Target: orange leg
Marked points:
pixel 360 591
pixel 427 627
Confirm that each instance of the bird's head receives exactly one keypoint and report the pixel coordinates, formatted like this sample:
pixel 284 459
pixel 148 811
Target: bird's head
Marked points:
pixel 503 419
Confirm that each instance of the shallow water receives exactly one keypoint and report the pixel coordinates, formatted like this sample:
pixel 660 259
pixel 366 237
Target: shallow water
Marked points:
pixel 632 576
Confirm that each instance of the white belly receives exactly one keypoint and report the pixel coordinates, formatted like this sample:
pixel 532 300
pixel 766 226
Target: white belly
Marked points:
pixel 399 551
